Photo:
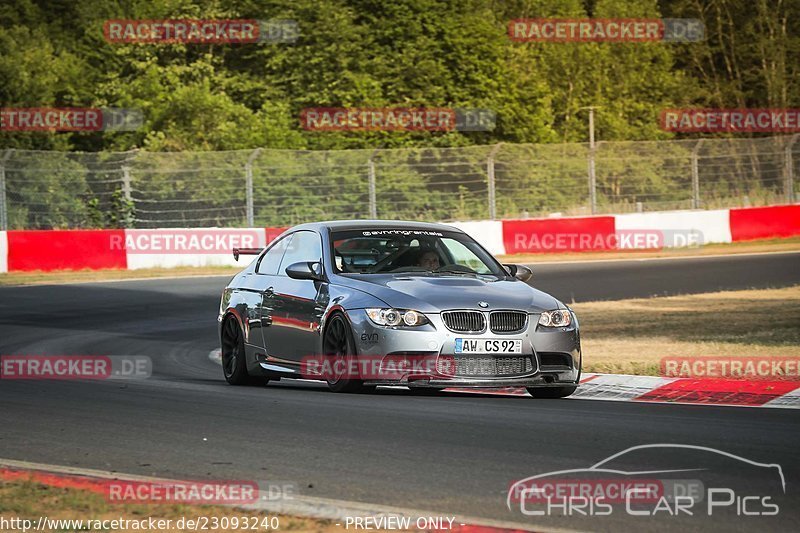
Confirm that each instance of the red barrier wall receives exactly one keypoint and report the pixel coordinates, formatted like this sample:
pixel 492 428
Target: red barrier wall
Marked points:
pixel 65 250
pixel 765 222
pixel 273 233
pixel 559 235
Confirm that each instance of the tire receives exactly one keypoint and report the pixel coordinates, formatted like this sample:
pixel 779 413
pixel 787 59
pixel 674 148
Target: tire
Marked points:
pixel 234 366
pixel 552 392
pixel 339 347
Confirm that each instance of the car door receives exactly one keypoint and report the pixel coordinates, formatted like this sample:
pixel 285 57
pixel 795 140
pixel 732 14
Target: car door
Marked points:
pixel 297 305
pixel 265 277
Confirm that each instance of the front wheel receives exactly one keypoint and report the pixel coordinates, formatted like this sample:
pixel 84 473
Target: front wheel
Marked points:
pixel 552 392
pixel 339 348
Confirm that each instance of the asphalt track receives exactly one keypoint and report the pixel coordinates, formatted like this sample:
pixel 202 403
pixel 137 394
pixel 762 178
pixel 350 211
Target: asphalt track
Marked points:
pixel 449 454
pixel 618 279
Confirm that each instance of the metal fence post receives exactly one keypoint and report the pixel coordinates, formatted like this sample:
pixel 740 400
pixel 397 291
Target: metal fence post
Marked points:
pixel 788 186
pixel 592 149
pixel 248 187
pixel 592 179
pixel 126 183
pixel 3 203
pixel 491 182
pixel 373 195
pixel 696 175
pixel 129 209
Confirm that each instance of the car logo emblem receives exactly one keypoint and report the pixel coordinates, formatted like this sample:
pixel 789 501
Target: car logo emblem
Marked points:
pixel 483 304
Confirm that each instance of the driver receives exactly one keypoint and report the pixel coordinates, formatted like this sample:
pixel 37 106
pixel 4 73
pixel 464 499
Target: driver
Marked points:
pixel 428 260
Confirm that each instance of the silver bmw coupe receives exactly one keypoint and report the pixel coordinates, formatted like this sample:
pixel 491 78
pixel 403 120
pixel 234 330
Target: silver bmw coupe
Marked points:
pixel 365 303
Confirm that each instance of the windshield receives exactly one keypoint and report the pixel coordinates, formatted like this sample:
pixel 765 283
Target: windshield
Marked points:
pixel 381 251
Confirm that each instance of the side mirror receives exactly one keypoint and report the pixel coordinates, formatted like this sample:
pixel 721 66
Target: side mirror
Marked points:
pixel 305 270
pixel 521 272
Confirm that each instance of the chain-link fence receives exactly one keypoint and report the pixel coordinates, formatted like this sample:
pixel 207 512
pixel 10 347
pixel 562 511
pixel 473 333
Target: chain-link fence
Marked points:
pixel 283 187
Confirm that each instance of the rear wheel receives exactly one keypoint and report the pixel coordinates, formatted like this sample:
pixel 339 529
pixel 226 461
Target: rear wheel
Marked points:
pixel 339 349
pixel 234 366
pixel 552 392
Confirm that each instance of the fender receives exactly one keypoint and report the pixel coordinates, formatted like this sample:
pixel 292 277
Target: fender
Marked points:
pixel 242 304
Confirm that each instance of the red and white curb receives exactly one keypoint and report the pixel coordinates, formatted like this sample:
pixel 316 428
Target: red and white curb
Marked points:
pixel 131 249
pixel 735 392
pixel 653 389
pixel 783 394
pixel 338 511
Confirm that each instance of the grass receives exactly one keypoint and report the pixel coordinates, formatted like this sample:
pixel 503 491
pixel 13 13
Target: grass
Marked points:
pixel 29 500
pixel 631 336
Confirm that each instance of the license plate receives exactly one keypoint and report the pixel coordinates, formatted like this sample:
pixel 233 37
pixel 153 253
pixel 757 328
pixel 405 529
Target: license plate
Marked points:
pixel 488 345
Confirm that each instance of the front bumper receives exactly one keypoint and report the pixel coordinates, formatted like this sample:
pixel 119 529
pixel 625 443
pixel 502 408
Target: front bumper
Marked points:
pixel 555 353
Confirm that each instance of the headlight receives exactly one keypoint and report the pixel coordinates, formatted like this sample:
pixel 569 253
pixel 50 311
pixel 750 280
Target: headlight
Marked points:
pixel 560 318
pixel 396 317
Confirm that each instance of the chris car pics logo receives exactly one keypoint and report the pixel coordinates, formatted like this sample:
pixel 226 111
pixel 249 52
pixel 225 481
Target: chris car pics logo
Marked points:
pixel 656 480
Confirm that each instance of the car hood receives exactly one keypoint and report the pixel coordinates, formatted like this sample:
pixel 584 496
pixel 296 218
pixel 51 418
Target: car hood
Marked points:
pixel 438 293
